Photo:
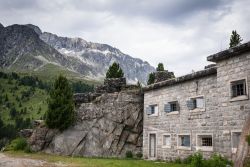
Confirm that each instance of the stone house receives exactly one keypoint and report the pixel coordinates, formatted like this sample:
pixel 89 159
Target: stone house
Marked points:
pixel 204 111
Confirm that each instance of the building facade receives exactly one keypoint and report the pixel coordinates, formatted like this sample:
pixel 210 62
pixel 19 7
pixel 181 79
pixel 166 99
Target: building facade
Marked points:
pixel 203 111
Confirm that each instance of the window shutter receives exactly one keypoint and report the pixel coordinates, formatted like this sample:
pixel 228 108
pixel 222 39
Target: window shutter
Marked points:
pixel 190 104
pixel 167 108
pixel 200 102
pixel 148 111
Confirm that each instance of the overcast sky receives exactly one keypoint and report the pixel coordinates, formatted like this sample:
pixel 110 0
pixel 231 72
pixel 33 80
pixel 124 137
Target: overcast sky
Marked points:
pixel 179 33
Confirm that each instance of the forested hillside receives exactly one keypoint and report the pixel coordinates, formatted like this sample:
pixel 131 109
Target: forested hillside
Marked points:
pixel 24 99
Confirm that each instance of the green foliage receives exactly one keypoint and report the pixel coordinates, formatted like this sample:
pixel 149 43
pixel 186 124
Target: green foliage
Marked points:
pixel 218 161
pixel 80 87
pixel 114 71
pixel 19 144
pixel 235 39
pixel 151 79
pixel 60 113
pixel 139 155
pixel 177 160
pixel 188 160
pixel 248 139
pixel 129 154
pixel 160 67
pixel 197 160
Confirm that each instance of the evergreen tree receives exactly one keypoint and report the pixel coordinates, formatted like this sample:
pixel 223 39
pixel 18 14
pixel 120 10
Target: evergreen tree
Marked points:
pixel 60 113
pixel 235 39
pixel 151 79
pixel 114 71
pixel 160 67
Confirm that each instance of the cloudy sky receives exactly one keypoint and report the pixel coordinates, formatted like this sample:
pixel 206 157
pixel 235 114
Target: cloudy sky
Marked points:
pixel 179 33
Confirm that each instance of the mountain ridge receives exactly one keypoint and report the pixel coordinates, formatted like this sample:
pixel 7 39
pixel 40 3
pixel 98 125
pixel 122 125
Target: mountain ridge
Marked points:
pixel 75 54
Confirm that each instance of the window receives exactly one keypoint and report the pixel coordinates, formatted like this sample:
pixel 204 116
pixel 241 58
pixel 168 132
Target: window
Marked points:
pixel 152 110
pixel 166 141
pixel 238 88
pixel 184 142
pixel 235 137
pixel 171 107
pixel 204 142
pixel 197 102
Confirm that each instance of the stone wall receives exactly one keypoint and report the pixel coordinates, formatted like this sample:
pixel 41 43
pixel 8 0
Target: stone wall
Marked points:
pixel 220 118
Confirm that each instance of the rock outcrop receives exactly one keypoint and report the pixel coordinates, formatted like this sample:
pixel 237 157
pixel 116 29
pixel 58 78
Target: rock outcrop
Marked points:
pixel 109 124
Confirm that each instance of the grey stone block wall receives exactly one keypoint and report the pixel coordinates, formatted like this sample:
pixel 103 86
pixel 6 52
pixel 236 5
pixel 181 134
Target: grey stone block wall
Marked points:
pixel 220 117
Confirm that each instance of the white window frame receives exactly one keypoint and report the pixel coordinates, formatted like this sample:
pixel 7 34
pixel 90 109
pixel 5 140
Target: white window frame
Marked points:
pixel 199 109
pixel 184 147
pixel 177 107
pixel 156 111
pixel 234 150
pixel 204 148
pixel 166 146
pixel 238 98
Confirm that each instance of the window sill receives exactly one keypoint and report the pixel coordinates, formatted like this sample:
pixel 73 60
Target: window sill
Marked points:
pixel 166 146
pixel 183 148
pixel 197 110
pixel 173 113
pixel 239 98
pixel 204 148
pixel 153 115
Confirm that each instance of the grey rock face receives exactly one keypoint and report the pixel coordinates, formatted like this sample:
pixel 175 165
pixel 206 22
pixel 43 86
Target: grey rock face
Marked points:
pixel 109 125
pixel 98 57
pixel 1 26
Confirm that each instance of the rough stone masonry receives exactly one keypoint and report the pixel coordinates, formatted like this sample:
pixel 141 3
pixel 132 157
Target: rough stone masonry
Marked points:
pixel 204 111
pixel 109 123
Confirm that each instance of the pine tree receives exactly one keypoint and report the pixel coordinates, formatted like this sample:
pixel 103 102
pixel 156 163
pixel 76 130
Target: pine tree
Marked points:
pixel 60 113
pixel 114 71
pixel 235 39
pixel 160 67
pixel 151 79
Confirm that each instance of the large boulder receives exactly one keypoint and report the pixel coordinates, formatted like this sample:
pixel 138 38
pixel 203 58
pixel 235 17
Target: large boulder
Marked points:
pixel 110 125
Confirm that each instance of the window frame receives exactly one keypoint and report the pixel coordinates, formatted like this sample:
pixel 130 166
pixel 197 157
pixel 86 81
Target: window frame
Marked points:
pixel 234 150
pixel 204 148
pixel 172 112
pixel 240 97
pixel 196 109
pixel 179 147
pixel 156 112
pixel 166 146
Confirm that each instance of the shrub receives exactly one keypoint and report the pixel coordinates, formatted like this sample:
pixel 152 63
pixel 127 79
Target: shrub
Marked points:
pixel 129 154
pixel 139 155
pixel 218 161
pixel 197 160
pixel 18 144
pixel 188 160
pixel 177 160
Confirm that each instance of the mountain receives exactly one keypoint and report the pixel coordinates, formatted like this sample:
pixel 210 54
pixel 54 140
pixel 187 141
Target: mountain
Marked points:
pixel 26 47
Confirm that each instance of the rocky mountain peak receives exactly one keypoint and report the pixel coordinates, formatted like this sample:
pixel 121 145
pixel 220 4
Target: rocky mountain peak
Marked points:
pixel 1 26
pixel 35 28
pixel 26 47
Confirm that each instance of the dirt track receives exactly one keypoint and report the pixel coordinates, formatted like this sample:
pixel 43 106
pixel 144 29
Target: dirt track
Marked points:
pixel 6 161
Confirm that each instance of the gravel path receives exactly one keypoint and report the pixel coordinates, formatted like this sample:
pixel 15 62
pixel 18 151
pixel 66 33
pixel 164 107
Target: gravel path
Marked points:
pixel 6 161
